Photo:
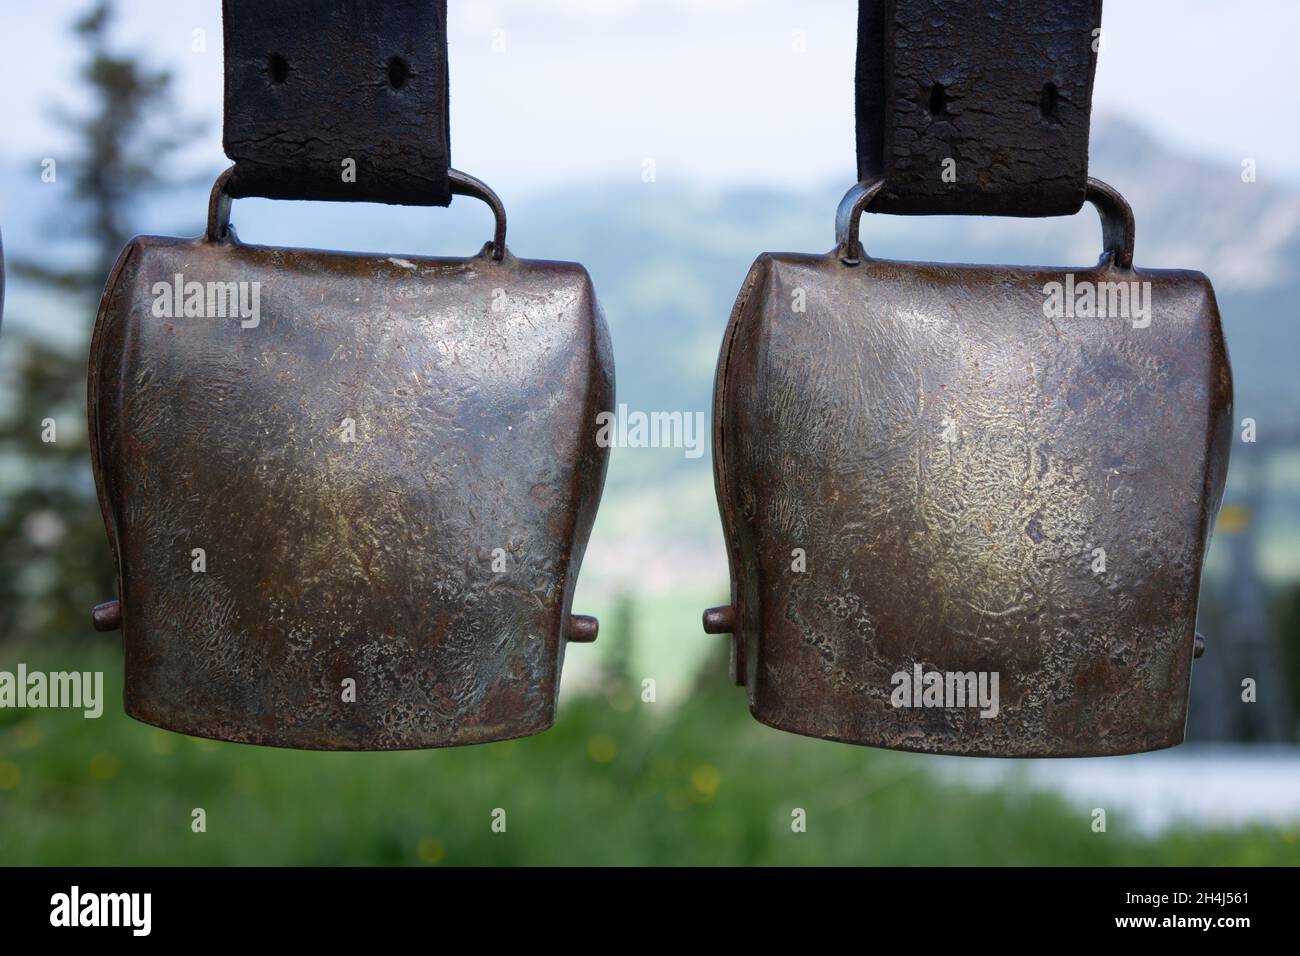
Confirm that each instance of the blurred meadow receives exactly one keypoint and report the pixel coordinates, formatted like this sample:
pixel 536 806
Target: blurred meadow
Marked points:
pixel 615 782
pixel 690 777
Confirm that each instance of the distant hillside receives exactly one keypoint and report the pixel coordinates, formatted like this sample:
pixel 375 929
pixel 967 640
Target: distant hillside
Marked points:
pixel 668 260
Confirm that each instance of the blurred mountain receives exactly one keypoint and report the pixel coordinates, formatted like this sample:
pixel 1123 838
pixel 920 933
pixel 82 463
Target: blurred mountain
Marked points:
pixel 668 259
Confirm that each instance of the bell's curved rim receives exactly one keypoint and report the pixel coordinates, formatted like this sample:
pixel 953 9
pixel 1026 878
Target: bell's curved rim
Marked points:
pixel 1118 230
pixel 462 184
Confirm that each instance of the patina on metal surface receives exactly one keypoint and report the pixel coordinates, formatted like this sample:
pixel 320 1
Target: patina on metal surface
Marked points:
pixel 976 107
pixel 392 476
pixel 949 459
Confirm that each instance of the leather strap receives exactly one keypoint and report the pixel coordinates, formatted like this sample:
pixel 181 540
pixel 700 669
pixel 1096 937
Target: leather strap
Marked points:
pixel 314 84
pixel 1002 88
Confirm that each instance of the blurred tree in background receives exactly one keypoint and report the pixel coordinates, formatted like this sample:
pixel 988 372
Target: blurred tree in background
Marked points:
pixel 54 558
pixel 619 649
pixel 1287 616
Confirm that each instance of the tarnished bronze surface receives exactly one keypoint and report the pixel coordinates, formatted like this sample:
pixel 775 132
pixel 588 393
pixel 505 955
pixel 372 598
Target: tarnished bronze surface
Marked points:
pixel 949 459
pixel 431 560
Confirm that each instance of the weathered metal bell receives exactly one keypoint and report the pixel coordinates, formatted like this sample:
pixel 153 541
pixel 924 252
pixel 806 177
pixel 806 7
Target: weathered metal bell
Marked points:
pixel 350 516
pixel 966 510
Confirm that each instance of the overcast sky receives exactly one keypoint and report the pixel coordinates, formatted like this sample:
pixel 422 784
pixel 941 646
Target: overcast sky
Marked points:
pixel 712 90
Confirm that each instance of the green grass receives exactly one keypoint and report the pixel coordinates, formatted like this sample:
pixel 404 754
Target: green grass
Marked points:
pixel 615 782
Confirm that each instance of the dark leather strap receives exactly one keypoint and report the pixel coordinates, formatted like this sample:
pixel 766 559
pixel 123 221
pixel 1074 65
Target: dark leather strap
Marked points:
pixel 1001 87
pixel 311 84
